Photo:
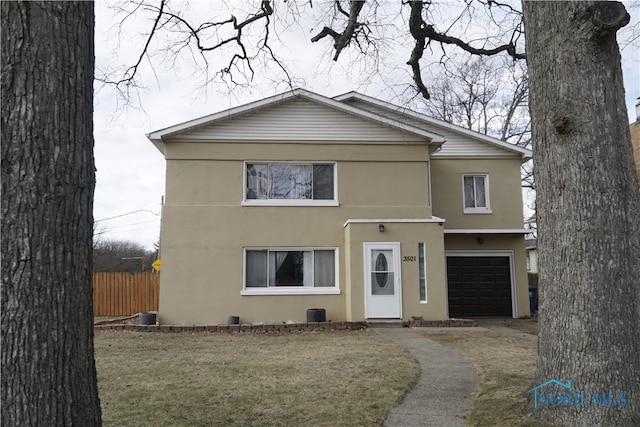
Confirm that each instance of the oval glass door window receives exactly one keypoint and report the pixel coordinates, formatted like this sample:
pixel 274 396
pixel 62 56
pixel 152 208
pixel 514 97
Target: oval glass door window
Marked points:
pixel 382 273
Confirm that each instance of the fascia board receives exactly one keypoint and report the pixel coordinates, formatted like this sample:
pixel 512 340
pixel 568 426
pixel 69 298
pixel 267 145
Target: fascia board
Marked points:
pixel 487 231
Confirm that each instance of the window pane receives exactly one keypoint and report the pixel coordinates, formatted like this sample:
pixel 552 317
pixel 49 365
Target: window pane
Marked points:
pixel 286 268
pixel 307 272
pixel 382 283
pixel 290 181
pixel 421 273
pixel 257 181
pixel 480 192
pixel 256 275
pixel 324 268
pixel 469 199
pixel 323 182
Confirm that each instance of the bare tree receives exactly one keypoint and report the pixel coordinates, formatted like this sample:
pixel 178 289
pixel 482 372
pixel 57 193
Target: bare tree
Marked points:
pixel 588 201
pixel 121 255
pixel 48 372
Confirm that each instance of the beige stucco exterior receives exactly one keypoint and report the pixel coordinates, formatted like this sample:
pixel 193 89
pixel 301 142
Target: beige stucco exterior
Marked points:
pixel 504 190
pixel 207 225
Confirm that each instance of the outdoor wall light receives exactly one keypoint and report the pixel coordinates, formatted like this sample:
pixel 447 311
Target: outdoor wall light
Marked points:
pixel 381 227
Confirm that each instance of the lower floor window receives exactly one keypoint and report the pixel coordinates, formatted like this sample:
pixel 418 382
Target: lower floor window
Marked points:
pixel 305 268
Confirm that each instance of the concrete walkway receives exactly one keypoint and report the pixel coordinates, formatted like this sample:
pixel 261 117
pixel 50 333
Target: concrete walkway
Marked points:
pixel 444 390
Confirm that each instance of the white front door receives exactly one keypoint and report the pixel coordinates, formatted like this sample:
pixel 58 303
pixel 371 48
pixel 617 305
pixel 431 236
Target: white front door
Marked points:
pixel 383 296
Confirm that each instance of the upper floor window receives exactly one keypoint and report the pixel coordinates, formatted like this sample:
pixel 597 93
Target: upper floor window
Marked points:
pixel 283 183
pixel 476 193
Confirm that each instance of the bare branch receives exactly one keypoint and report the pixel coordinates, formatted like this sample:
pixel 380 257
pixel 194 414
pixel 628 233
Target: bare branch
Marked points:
pixel 199 39
pixel 342 40
pixel 130 73
pixel 442 38
pixel 416 30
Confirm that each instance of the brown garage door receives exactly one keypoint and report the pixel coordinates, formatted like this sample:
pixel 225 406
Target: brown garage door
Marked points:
pixel 479 286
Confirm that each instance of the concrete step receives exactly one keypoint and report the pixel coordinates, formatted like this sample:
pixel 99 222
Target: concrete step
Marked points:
pixel 384 323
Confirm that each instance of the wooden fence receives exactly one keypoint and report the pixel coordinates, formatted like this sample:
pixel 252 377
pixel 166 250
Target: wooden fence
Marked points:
pixel 124 294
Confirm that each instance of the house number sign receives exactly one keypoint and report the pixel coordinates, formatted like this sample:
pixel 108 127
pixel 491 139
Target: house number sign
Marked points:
pixel 409 258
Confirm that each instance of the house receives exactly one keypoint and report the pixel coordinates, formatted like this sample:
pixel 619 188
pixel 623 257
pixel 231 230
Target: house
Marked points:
pixel 350 204
pixel 531 247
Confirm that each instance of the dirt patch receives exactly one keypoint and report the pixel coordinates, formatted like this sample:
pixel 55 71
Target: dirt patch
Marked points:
pixel 529 326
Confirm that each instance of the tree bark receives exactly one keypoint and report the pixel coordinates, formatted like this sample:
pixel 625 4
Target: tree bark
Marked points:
pixel 48 179
pixel 588 202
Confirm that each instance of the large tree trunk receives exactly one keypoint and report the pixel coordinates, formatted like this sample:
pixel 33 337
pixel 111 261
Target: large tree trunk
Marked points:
pixel 588 202
pixel 48 371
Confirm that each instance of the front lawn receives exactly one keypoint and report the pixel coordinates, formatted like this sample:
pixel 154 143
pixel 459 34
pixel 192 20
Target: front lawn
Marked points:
pixel 338 378
pixel 506 366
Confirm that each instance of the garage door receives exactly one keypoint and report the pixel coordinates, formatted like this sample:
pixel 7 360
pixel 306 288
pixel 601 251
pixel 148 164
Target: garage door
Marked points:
pixel 479 286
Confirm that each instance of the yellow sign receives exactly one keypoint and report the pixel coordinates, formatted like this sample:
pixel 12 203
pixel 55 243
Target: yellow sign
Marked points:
pixel 157 264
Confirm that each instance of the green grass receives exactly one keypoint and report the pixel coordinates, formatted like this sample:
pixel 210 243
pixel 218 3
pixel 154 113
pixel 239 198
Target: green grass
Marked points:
pixel 340 378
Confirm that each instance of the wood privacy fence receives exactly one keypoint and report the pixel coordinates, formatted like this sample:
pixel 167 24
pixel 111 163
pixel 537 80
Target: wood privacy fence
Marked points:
pixel 124 294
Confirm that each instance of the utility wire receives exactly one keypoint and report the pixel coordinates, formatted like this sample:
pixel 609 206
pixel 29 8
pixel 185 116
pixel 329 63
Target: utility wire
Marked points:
pixel 128 213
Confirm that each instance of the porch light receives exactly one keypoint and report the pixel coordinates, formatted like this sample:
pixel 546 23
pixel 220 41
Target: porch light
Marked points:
pixel 381 227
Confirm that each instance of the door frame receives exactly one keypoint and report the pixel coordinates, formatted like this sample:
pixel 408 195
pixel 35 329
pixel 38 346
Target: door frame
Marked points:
pixel 488 253
pixel 397 304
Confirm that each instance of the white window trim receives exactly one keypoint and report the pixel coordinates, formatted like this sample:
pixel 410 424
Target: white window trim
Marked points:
pixel 290 290
pixel 289 202
pixel 485 210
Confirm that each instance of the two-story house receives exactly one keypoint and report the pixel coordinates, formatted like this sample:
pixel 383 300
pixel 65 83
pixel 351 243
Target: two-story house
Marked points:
pixel 350 204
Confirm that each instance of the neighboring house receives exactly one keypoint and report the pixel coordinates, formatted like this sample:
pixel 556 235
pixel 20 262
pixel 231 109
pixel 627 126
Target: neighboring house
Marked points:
pixel 531 246
pixel 634 128
pixel 350 204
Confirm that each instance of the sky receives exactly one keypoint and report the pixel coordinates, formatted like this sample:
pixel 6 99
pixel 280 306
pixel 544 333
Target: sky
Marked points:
pixel 130 176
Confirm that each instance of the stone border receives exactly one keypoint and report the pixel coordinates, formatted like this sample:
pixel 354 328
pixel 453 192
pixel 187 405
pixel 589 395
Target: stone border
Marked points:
pixel 451 323
pixel 251 328
pixel 118 320
pixel 270 328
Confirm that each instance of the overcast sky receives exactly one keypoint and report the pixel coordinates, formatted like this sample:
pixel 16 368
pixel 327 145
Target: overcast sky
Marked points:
pixel 130 170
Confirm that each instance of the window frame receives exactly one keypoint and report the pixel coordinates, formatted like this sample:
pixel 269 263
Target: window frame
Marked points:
pixel 487 194
pixel 290 290
pixel 289 202
pixel 422 281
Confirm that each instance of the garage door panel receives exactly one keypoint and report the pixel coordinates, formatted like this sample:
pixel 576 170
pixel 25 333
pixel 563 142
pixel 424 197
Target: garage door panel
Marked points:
pixel 479 286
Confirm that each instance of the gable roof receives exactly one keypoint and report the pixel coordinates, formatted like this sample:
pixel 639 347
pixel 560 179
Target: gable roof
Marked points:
pixel 460 142
pixel 436 125
pixel 160 136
